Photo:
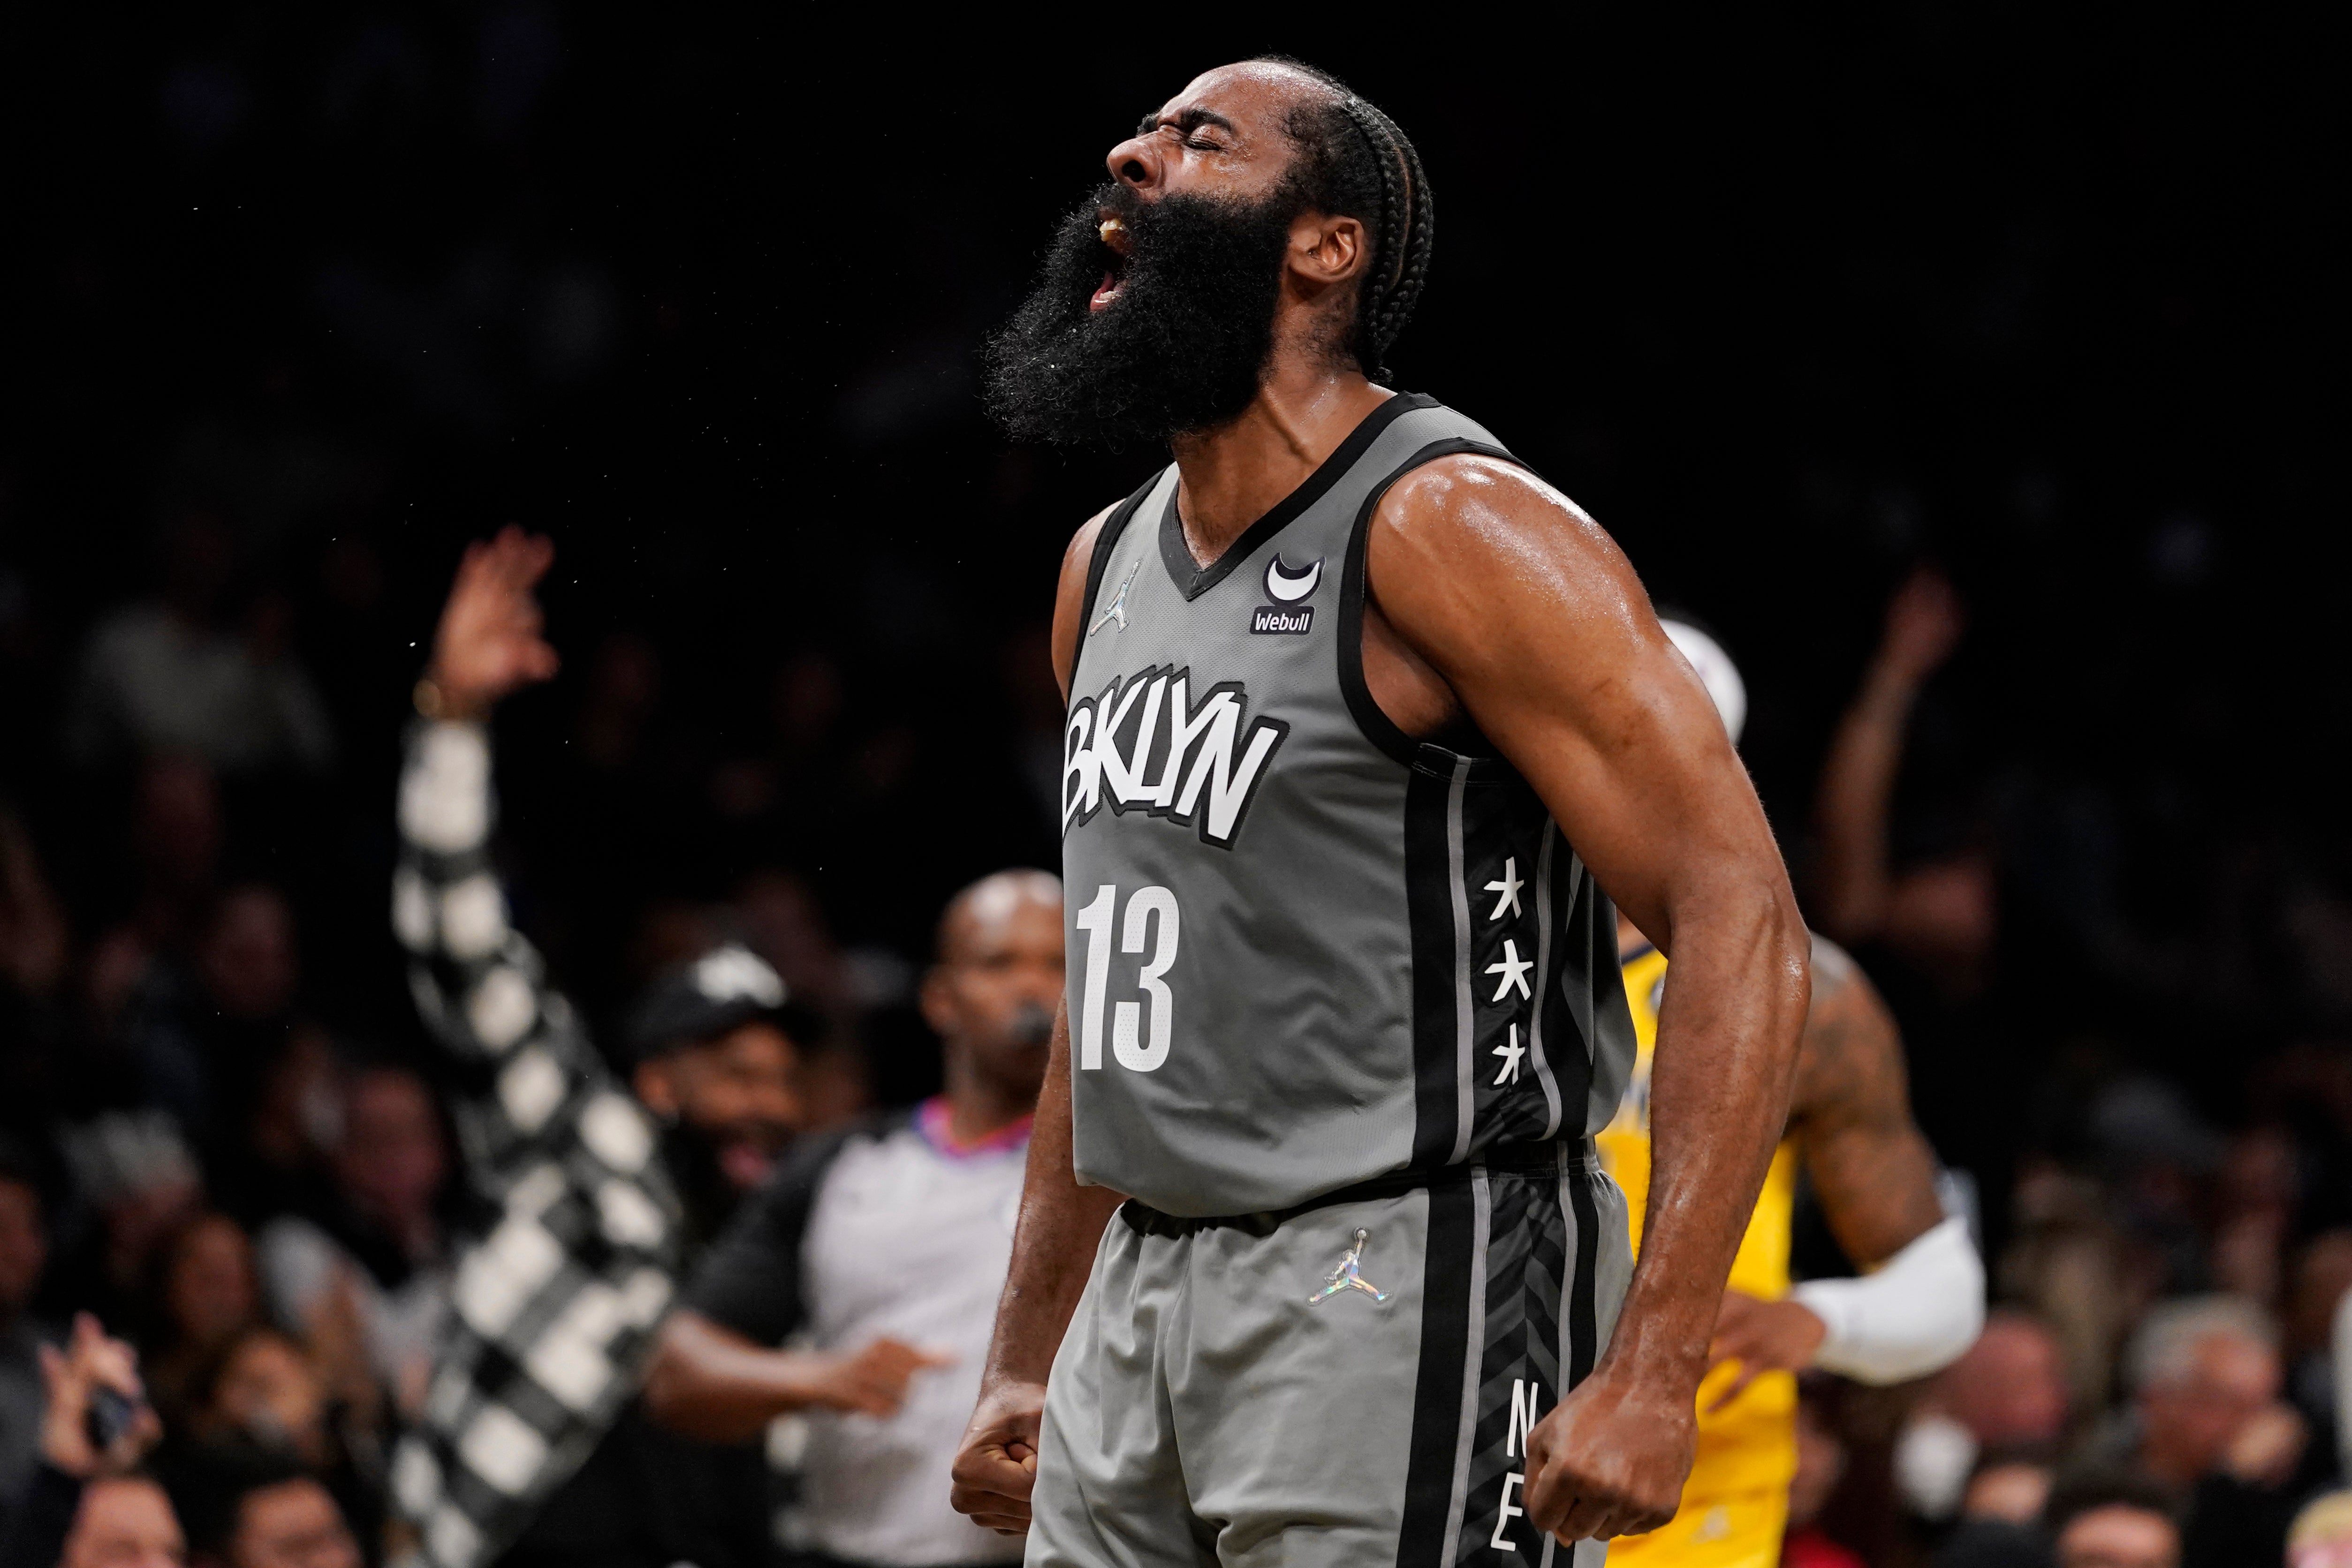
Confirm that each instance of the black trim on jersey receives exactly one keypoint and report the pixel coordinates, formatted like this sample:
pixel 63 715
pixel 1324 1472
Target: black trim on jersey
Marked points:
pixel 1437 1383
pixel 1429 917
pixel 1583 1311
pixel 1193 580
pixel 1113 527
pixel 1378 727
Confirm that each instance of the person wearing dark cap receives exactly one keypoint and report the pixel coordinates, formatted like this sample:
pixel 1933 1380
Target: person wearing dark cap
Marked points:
pixel 879 1253
pixel 713 1045
pixel 529 1447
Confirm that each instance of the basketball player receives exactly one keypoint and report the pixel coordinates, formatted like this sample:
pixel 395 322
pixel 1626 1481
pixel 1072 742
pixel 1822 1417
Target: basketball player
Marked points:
pixel 1365 717
pixel 1922 1301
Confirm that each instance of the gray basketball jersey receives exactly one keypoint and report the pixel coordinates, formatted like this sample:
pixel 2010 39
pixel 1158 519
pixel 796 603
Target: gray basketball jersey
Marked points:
pixel 1306 949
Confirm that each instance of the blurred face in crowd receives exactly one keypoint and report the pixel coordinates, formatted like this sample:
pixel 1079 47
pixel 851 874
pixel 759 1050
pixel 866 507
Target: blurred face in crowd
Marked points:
pixel 269 1392
pixel 2191 1417
pixel 209 1290
pixel 2118 1536
pixel 294 1524
pixel 124 1523
pixel 2015 1492
pixel 23 1246
pixel 392 1160
pixel 248 956
pixel 734 1094
pixel 2010 1386
pixel 992 996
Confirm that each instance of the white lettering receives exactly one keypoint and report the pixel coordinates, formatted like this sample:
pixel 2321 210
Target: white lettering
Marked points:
pixel 1523 1416
pixel 1212 761
pixel 1503 1520
pixel 1122 777
pixel 1185 727
pixel 1078 766
pixel 1228 783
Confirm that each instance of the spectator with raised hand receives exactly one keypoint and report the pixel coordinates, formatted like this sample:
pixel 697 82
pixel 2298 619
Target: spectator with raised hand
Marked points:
pixel 88 1505
pixel 1938 914
pixel 526 1445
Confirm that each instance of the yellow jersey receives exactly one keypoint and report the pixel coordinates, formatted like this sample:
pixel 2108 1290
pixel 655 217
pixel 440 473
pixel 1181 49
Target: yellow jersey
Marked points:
pixel 1737 1499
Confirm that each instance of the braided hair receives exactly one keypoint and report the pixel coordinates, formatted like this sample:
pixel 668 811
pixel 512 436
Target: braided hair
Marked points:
pixel 1355 161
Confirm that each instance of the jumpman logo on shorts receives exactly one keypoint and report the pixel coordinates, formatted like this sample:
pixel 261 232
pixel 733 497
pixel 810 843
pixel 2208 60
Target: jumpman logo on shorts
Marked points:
pixel 1346 1278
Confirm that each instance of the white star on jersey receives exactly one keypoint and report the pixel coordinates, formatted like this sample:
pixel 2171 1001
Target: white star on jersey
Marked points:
pixel 1510 1054
pixel 1508 890
pixel 1513 971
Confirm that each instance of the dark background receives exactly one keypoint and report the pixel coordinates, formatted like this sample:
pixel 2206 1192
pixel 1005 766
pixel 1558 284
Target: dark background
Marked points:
pixel 2047 297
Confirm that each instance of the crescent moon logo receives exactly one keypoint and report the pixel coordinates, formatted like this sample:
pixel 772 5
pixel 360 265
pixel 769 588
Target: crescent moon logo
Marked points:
pixel 1288 585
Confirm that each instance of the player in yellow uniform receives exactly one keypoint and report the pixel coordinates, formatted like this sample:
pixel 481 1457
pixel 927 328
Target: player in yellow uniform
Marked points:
pixel 1920 1301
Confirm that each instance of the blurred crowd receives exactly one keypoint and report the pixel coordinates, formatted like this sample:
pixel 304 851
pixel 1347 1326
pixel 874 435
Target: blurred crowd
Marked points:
pixel 251 1189
pixel 244 1172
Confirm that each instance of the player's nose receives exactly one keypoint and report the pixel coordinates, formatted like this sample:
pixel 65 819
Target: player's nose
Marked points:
pixel 1136 163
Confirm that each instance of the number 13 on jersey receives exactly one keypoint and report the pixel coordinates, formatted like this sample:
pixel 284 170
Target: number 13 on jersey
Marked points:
pixel 1136 1046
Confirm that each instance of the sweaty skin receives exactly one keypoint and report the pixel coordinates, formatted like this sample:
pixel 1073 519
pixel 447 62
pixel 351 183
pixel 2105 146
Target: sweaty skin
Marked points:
pixel 1492 596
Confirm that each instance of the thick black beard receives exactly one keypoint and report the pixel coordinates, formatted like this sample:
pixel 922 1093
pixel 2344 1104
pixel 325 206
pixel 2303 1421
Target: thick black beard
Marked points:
pixel 1183 348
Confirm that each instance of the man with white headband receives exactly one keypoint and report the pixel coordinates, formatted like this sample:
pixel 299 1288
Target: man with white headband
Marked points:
pixel 1920 1299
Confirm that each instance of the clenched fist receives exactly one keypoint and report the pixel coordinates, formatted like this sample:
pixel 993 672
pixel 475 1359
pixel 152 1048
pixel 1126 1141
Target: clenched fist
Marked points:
pixel 1611 1458
pixel 997 1464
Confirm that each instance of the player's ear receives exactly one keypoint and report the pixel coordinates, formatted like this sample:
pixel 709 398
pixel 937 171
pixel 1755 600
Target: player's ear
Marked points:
pixel 1326 250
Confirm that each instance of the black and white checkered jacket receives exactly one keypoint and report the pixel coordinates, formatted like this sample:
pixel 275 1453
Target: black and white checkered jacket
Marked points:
pixel 555 1307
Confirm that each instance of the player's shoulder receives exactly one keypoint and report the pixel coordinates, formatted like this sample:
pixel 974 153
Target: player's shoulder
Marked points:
pixel 1082 543
pixel 1070 590
pixel 1475 503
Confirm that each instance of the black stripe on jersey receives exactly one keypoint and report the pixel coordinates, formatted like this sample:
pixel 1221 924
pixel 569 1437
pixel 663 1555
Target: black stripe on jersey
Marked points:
pixel 1193 580
pixel 1106 542
pixel 1519 1370
pixel 1428 912
pixel 1577 938
pixel 1583 1309
pixel 1378 727
pixel 1435 1441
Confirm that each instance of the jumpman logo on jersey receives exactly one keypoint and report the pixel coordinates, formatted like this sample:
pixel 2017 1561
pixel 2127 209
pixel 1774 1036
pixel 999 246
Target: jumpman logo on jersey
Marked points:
pixel 1346 1278
pixel 1116 608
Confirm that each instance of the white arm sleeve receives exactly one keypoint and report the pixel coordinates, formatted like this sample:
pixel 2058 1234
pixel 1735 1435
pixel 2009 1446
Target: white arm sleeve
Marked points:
pixel 1912 1316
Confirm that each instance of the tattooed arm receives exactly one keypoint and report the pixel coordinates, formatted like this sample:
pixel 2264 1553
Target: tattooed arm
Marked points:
pixel 1851 1113
pixel 1875 1177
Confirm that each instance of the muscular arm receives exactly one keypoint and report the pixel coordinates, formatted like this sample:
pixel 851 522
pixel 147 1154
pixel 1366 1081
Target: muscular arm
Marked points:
pixel 1850 1115
pixel 1060 1223
pixel 1875 1177
pixel 1534 621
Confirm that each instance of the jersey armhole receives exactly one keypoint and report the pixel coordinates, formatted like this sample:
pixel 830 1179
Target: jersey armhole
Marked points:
pixel 1378 729
pixel 1113 527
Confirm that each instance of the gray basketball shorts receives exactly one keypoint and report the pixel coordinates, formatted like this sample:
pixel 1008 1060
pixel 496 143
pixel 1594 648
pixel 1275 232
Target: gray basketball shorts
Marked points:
pixel 1352 1386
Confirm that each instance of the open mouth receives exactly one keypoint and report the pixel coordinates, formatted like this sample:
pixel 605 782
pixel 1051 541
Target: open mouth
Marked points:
pixel 1115 242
